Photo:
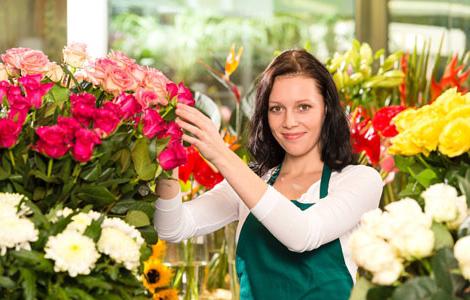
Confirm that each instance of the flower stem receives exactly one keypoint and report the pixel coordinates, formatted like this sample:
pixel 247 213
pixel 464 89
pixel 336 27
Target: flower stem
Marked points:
pixel 49 167
pixel 12 158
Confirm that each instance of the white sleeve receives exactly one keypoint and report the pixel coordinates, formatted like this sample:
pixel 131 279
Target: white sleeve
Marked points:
pixel 175 221
pixel 355 193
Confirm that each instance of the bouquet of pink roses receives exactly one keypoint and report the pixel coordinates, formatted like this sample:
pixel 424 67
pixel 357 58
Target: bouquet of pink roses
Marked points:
pixel 87 132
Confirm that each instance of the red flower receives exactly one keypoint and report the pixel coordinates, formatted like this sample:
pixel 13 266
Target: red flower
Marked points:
pixel 382 119
pixel 173 156
pixel 154 125
pixel 4 86
pixel 183 93
pixel 129 105
pixel 107 117
pixel 185 170
pixel 201 170
pixel 53 141
pixel 9 132
pixel 363 136
pixel 34 89
pixel 83 107
pixel 85 141
pixel 174 131
pixel 454 76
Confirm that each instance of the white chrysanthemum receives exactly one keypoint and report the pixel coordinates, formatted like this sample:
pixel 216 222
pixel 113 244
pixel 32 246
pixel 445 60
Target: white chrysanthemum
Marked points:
pixel 441 202
pixel 16 233
pixel 121 242
pixel 9 205
pixel 72 252
pixel 61 213
pixel 82 220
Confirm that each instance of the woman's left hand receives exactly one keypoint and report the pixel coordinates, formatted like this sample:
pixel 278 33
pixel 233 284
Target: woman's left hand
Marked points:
pixel 205 135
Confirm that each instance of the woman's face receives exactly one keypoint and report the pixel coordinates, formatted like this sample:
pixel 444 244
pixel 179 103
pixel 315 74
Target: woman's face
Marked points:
pixel 295 114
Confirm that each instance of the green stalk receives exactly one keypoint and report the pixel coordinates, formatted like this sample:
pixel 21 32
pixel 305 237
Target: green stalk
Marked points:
pixel 49 167
pixel 12 158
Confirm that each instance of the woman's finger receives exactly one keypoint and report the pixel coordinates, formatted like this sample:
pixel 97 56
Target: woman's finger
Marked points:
pixel 189 117
pixel 189 127
pixel 192 140
pixel 192 111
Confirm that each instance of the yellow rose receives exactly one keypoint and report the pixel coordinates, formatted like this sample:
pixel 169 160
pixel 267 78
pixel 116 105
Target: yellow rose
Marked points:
pixel 455 137
pixel 426 132
pixel 403 144
pixel 449 100
pixel 462 111
pixel 404 119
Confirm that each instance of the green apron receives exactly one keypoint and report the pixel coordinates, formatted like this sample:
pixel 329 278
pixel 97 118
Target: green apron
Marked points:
pixel 269 270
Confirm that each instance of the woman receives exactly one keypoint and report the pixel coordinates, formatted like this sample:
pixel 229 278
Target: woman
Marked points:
pixel 301 200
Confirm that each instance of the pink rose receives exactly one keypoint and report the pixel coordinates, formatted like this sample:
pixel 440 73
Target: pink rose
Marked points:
pixel 154 125
pixel 156 81
pixel 128 104
pixel 173 156
pixel 147 98
pixel 17 115
pixel 174 131
pixel 181 91
pixel 34 62
pixel 85 141
pixel 12 59
pixel 70 125
pixel 107 118
pixel 3 72
pixel 138 72
pixel 16 99
pixel 118 80
pixel 9 132
pixel 75 54
pixel 34 89
pixel 96 71
pixel 53 141
pixel 121 59
pixel 83 107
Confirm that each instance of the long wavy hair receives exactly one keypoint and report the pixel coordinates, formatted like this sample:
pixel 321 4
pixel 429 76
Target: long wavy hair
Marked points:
pixel 336 150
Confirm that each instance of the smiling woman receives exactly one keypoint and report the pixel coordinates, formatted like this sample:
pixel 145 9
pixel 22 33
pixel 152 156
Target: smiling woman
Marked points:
pixel 298 204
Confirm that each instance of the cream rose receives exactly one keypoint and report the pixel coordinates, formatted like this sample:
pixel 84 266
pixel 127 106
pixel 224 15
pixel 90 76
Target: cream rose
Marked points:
pixel 75 54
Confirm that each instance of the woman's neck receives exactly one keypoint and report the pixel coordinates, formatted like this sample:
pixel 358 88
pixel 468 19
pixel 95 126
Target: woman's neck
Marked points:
pixel 299 165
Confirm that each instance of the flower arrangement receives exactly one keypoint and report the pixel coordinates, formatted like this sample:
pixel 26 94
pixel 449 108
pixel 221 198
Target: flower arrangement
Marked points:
pixel 70 252
pixel 404 250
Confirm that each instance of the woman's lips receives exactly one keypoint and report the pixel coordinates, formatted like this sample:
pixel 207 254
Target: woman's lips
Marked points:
pixel 292 136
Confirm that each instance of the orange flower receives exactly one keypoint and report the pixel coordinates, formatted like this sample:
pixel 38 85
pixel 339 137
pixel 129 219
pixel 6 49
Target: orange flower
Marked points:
pixel 232 61
pixel 167 294
pixel 230 140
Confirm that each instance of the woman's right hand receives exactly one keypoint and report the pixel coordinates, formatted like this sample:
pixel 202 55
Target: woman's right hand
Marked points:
pixel 168 188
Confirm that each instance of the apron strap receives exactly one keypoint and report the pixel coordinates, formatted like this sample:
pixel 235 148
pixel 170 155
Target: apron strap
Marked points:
pixel 325 179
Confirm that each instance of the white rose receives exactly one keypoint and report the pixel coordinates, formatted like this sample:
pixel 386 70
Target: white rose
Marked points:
pixel 440 202
pixel 462 212
pixel 55 72
pixel 407 211
pixel 414 242
pixel 465 271
pixel 359 240
pixel 389 275
pixel 378 256
pixel 462 250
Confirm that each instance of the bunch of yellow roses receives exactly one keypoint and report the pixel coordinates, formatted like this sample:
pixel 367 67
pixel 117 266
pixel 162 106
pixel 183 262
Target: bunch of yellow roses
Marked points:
pixel 443 125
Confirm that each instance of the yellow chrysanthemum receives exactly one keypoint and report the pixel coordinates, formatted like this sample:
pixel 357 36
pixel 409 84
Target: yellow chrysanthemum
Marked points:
pixel 455 137
pixel 167 294
pixel 404 119
pixel 403 144
pixel 448 101
pixel 158 250
pixel 156 275
pixel 425 133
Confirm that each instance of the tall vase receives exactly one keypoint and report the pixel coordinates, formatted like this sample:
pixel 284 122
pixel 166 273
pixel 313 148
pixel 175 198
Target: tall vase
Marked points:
pixel 230 236
pixel 188 260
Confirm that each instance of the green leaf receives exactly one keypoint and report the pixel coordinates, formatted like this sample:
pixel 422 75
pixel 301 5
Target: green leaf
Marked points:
pixel 93 230
pixel 207 106
pixel 443 263
pixel 464 228
pixel 361 288
pixel 5 168
pixel 161 144
pixel 34 260
pixel 442 236
pixel 417 288
pixel 380 292
pixel 125 159
pixel 39 163
pixel 144 166
pixel 28 283
pixel 464 185
pixel 94 282
pixel 149 234
pixel 426 177
pixel 92 173
pixel 97 195
pixel 6 282
pixel 43 176
pixel 76 293
pixel 137 218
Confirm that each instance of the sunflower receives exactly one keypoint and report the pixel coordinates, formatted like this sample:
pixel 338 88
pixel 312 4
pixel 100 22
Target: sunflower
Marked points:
pixel 158 250
pixel 156 275
pixel 166 294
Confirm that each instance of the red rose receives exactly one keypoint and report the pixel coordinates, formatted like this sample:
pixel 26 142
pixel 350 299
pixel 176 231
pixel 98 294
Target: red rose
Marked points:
pixel 173 156
pixel 34 89
pixel 83 107
pixel 9 132
pixel 182 92
pixel 154 125
pixel 107 118
pixel 128 104
pixel 53 141
pixel 85 141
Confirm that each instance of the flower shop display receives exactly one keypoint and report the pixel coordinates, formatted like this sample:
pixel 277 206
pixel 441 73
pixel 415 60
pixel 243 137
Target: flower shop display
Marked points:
pixel 88 137
pixel 405 252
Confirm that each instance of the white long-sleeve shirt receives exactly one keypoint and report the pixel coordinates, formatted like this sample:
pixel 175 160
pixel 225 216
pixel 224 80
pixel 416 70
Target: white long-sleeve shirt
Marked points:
pixel 351 192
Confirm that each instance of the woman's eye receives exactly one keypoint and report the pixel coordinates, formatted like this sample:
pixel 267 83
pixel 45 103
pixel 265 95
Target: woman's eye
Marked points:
pixel 275 109
pixel 304 107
